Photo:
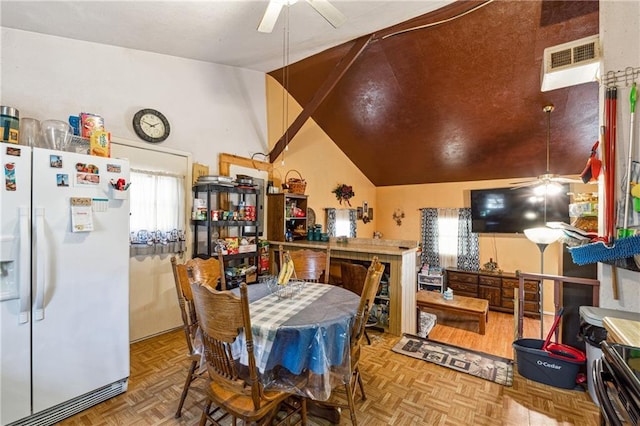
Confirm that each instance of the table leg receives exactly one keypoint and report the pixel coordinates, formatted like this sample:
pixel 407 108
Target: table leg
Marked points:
pixel 482 325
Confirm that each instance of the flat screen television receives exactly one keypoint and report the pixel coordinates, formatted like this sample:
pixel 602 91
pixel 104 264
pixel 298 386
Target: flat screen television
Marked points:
pixel 512 210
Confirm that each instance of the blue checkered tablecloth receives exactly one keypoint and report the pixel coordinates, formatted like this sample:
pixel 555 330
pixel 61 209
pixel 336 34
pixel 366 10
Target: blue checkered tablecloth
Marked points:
pixel 309 332
pixel 269 313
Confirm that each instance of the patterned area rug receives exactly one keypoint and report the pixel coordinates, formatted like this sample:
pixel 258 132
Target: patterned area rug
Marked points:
pixel 479 364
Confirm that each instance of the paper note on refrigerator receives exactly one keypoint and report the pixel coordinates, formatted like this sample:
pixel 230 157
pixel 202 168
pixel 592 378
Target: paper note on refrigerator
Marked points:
pixel 81 215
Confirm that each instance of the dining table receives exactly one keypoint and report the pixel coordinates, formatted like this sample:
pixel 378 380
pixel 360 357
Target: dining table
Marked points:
pixel 301 342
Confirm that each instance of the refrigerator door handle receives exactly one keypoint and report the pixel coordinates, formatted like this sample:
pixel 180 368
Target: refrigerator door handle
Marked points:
pixel 41 264
pixel 24 265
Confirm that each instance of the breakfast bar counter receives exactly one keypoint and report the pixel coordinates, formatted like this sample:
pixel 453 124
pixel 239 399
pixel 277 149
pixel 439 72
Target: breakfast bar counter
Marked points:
pixel 400 255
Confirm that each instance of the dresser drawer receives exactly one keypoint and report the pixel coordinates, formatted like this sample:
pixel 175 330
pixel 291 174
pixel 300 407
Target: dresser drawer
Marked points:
pixel 530 307
pixel 462 278
pixel 508 293
pixel 529 285
pixel 471 289
pixel 492 281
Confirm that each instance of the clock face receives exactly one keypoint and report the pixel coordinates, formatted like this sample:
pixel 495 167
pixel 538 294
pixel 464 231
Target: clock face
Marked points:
pixel 151 125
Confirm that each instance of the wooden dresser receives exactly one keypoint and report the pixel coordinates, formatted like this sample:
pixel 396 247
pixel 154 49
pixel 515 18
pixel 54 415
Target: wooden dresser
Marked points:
pixel 498 289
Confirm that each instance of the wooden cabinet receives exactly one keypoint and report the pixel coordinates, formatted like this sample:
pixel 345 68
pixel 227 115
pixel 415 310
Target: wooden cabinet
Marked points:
pixel 489 287
pixel 531 295
pixel 463 283
pixel 282 216
pixel 498 289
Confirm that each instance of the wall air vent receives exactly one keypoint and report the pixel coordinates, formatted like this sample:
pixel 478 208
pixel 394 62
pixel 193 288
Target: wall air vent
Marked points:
pixel 571 63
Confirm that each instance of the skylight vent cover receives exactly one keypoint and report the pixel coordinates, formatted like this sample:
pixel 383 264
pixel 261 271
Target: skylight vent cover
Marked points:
pixel 571 63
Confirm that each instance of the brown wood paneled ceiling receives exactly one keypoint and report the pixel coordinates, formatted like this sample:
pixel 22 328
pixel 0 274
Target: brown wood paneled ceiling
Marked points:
pixel 460 100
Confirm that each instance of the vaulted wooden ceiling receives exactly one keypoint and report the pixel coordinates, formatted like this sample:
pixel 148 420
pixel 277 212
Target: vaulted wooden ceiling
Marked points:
pixel 460 100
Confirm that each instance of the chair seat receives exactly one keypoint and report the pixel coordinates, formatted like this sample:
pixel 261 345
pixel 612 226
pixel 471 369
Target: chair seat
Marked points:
pixel 242 405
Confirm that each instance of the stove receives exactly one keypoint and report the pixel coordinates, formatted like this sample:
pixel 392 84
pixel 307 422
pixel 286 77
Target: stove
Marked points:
pixel 616 377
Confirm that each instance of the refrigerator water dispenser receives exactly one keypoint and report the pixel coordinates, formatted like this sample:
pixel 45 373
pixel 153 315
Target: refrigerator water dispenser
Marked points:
pixel 8 270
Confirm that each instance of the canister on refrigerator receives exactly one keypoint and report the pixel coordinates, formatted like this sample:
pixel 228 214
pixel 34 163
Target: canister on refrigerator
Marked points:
pixel 9 124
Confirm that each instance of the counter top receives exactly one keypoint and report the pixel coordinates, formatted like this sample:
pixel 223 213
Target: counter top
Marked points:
pixel 373 246
pixel 624 331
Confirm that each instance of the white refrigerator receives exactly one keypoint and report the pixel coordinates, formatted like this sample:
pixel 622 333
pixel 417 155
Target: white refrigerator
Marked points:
pixel 64 283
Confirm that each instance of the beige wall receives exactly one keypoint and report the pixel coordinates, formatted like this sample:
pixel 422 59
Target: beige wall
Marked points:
pixel 324 165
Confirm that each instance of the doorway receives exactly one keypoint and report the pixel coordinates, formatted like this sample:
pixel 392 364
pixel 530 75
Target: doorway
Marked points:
pixel 153 306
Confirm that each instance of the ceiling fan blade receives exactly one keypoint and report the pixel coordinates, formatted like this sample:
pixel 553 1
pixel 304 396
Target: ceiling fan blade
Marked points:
pixel 566 180
pixel 328 12
pixel 516 185
pixel 270 16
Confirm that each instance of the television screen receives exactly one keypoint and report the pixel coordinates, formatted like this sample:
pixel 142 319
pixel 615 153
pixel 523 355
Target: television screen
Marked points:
pixel 512 210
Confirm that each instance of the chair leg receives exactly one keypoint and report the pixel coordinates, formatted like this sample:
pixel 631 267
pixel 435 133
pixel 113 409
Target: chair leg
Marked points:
pixel 367 336
pixel 352 405
pixel 185 389
pixel 303 411
pixel 358 377
pixel 205 411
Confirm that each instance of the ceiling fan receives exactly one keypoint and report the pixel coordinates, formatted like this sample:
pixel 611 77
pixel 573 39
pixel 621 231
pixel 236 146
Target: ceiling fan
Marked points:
pixel 547 181
pixel 323 7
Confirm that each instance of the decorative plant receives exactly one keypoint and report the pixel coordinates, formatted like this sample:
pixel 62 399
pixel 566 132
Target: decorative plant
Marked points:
pixel 344 192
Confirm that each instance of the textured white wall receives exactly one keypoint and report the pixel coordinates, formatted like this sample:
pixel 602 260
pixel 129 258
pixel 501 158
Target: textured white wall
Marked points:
pixel 211 108
pixel 620 39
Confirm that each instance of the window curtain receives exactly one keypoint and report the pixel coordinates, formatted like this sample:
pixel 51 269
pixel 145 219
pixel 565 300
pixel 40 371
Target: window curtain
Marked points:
pixel 433 223
pixel 341 222
pixel 468 247
pixel 157 221
pixel 331 222
pixel 429 229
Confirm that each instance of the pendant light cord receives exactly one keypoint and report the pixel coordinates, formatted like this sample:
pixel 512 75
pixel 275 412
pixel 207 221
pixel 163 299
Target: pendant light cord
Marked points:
pixel 548 109
pixel 285 82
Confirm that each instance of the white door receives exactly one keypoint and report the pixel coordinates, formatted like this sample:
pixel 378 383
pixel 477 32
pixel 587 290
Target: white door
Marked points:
pixel 153 299
pixel 80 279
pixel 15 325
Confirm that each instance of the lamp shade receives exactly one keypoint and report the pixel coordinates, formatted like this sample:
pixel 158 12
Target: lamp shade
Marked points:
pixel 543 235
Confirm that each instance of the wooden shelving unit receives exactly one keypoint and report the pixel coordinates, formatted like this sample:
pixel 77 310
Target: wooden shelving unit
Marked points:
pixel 281 218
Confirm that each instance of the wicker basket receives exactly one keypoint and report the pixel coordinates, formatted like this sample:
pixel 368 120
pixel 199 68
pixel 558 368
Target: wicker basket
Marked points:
pixel 295 185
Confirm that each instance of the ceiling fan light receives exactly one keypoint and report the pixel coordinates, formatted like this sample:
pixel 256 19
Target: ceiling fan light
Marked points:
pixel 548 188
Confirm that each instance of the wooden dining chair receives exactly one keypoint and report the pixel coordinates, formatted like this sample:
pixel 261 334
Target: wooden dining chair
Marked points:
pixel 189 325
pixel 369 290
pixel 208 271
pixel 353 277
pixel 223 317
pixel 309 265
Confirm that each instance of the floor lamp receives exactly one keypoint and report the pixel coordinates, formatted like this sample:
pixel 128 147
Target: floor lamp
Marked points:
pixel 542 237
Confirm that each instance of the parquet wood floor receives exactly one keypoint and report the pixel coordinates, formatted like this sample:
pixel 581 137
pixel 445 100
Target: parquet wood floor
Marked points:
pixel 400 390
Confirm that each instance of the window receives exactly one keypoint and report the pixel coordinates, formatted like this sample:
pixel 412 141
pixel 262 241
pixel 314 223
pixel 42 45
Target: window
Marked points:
pixel 157 221
pixel 341 222
pixel 447 240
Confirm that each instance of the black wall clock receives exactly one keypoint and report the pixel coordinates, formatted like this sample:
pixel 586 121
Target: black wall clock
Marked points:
pixel 151 125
